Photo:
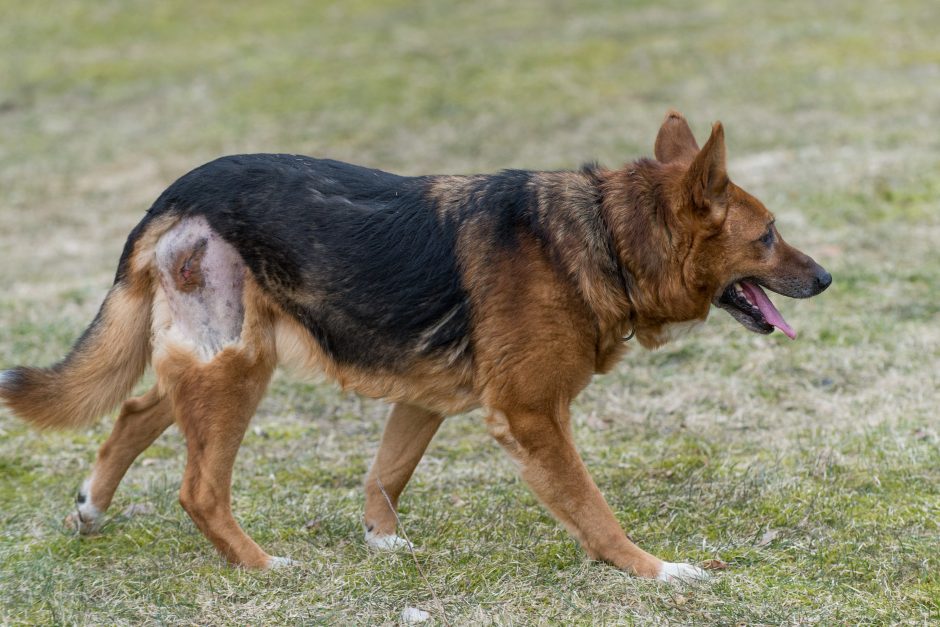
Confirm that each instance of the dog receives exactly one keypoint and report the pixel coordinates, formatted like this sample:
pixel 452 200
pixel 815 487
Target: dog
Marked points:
pixel 438 294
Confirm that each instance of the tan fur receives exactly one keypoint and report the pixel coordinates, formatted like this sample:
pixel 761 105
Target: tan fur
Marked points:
pixel 407 434
pixel 450 191
pixel 541 444
pixel 529 374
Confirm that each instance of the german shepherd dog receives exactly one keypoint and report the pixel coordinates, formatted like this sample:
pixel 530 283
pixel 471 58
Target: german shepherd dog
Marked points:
pixel 439 294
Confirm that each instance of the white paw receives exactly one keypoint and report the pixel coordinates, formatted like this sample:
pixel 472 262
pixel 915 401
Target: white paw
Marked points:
pixel 672 572
pixel 282 562
pixel 86 520
pixel 389 542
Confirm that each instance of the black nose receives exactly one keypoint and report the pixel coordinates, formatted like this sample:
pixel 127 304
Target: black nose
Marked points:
pixel 823 280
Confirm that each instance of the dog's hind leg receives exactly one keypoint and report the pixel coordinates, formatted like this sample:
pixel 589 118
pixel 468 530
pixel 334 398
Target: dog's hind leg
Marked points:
pixel 214 354
pixel 140 422
pixel 407 434
pixel 213 403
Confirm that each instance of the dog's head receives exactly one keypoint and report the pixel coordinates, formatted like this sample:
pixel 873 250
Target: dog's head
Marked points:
pixel 735 249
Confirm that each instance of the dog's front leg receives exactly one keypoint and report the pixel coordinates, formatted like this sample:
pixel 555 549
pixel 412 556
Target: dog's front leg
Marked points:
pixel 407 434
pixel 543 447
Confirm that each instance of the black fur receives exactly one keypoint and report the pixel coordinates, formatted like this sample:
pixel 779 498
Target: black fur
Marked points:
pixel 507 203
pixel 13 380
pixel 357 255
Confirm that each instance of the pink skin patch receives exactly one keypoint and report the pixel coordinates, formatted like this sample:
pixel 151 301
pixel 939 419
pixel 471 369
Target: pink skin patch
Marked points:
pixel 202 276
pixel 757 296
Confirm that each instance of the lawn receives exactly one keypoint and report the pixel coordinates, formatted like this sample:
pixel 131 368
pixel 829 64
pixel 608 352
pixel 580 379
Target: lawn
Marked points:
pixel 811 468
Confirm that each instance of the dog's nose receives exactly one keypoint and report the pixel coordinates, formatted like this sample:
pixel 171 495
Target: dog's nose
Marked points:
pixel 823 280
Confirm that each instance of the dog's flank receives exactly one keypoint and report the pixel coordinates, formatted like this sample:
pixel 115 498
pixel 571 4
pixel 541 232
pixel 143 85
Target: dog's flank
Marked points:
pixel 356 255
pixel 435 293
pixel 373 269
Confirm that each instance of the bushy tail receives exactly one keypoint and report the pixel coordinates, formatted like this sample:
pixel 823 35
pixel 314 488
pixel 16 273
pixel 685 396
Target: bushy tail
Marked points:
pixel 97 374
pixel 107 360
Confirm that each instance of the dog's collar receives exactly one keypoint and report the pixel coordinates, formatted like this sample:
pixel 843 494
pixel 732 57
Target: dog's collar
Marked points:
pixel 625 281
pixel 626 292
pixel 627 338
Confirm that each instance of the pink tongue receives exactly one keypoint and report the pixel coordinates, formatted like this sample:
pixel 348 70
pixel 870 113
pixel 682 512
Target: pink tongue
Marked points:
pixel 757 296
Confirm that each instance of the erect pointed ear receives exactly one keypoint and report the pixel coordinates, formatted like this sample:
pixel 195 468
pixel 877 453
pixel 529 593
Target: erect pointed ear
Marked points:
pixel 707 178
pixel 675 140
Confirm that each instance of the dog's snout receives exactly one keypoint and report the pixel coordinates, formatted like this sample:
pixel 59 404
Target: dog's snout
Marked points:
pixel 823 280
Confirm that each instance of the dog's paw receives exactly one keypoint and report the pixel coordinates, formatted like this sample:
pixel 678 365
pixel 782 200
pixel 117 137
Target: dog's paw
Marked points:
pixel 389 542
pixel 86 522
pixel 675 572
pixel 86 518
pixel 281 562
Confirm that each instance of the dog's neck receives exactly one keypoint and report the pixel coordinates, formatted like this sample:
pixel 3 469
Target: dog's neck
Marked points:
pixel 567 214
pixel 614 234
pixel 647 244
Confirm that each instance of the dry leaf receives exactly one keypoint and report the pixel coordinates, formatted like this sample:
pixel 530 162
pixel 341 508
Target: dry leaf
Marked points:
pixel 715 565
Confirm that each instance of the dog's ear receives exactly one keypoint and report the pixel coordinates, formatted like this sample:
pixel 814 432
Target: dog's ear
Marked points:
pixel 675 140
pixel 707 178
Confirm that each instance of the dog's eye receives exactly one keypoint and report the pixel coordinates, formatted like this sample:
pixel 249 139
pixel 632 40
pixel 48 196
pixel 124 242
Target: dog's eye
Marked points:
pixel 767 238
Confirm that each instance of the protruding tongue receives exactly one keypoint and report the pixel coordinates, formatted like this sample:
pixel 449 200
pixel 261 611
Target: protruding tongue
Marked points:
pixel 757 296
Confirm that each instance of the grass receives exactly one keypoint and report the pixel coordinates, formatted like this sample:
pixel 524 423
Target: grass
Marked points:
pixel 811 468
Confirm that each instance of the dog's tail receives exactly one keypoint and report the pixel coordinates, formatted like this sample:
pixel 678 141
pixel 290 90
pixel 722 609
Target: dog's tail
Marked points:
pixel 105 362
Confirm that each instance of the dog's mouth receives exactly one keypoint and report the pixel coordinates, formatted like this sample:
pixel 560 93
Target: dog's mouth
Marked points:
pixel 747 302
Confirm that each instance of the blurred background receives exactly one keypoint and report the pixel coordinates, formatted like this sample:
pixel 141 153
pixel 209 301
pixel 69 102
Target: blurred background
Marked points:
pixel 105 103
pixel 703 448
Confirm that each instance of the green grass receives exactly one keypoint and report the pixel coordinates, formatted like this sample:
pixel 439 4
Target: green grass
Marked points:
pixel 812 468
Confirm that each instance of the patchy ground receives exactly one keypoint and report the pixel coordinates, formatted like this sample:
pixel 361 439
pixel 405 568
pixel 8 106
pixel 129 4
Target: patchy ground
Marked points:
pixel 812 468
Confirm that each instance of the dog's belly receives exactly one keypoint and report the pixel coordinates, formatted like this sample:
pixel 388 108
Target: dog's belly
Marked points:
pixel 443 383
